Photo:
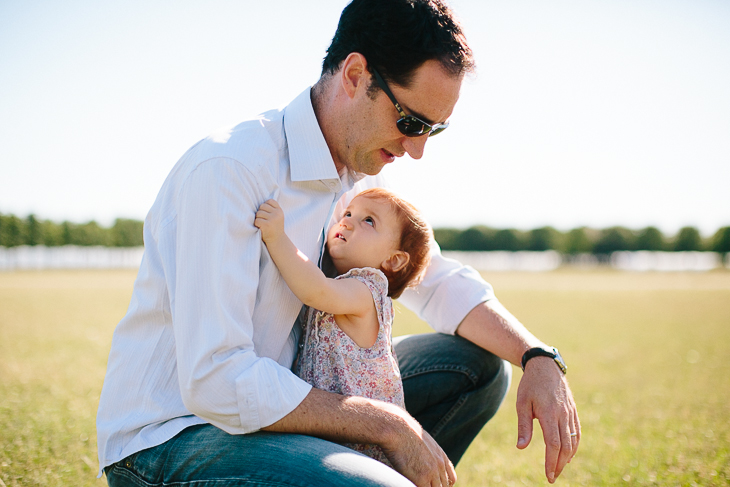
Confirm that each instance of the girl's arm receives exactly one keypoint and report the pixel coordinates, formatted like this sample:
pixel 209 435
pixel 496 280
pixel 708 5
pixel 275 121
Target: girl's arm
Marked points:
pixel 304 278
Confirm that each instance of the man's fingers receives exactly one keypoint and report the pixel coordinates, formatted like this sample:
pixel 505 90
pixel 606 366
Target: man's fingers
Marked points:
pixel 524 425
pixel 444 480
pixel 551 435
pixel 448 475
pixel 566 447
pixel 575 432
pixel 450 472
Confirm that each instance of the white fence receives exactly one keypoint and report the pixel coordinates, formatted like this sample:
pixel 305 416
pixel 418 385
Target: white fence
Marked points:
pixel 69 257
pixel 667 261
pixel 74 257
pixel 508 261
pixel 625 261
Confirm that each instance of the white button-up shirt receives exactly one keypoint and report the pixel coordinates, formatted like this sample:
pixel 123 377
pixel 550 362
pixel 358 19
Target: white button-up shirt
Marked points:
pixel 209 336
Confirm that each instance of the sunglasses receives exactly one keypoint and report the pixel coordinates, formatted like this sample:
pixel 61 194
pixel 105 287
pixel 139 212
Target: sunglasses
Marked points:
pixel 409 125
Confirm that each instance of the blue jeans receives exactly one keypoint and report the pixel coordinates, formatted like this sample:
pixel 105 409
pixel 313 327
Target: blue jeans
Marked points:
pixel 452 388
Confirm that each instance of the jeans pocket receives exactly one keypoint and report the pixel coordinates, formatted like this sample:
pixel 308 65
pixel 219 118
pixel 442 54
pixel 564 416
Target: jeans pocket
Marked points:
pixel 129 472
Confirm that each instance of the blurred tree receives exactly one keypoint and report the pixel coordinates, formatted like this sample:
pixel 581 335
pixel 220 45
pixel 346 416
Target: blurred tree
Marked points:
pixel 650 238
pixel 127 233
pixel 447 238
pixel 614 239
pixel 33 231
pixel 688 239
pixel 89 234
pixel 11 231
pixel 721 240
pixel 544 238
pixel 473 238
pixel 577 241
pixel 508 239
pixel 52 233
pixel 67 230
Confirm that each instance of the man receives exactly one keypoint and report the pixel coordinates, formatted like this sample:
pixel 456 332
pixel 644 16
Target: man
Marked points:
pixel 199 390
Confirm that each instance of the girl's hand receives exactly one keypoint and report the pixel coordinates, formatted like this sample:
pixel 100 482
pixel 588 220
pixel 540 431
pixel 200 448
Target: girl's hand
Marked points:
pixel 270 220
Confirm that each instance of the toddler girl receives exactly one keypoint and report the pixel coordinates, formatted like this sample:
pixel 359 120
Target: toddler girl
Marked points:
pixel 379 247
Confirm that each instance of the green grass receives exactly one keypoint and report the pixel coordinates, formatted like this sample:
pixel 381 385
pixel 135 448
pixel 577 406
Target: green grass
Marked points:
pixel 648 357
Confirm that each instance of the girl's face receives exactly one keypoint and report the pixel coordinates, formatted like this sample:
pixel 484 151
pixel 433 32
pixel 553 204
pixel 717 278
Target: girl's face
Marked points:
pixel 367 235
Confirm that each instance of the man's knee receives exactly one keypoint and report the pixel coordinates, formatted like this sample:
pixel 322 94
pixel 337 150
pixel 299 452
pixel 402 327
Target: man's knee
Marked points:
pixel 466 366
pixel 205 453
pixel 452 386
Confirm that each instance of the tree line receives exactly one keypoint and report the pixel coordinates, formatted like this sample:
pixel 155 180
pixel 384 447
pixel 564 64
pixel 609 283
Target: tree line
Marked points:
pixel 15 231
pixel 580 240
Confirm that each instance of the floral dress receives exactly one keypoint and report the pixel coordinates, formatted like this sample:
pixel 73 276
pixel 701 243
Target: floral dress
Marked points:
pixel 332 361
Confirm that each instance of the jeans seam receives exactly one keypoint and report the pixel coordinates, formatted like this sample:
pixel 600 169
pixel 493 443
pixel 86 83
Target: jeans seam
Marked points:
pixel 474 378
pixel 119 470
pixel 127 472
pixel 459 403
pixel 449 415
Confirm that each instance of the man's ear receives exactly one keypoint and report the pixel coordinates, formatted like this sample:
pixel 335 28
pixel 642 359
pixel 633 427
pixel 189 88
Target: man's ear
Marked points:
pixel 354 74
pixel 396 262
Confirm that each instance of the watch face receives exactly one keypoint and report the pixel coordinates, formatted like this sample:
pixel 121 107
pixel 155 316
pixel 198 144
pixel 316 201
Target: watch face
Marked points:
pixel 559 360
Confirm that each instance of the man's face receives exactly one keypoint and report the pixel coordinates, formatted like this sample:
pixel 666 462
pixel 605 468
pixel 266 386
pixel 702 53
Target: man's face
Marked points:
pixel 371 136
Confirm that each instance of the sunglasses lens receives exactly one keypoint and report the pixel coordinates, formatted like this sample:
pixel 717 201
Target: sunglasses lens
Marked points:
pixel 411 126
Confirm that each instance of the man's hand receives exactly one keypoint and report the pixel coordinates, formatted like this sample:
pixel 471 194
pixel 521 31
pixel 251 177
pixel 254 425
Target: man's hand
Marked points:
pixel 419 458
pixel 270 220
pixel 544 395
pixel 351 419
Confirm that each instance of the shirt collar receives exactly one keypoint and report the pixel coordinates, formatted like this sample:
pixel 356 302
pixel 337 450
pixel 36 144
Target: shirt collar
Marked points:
pixel 309 156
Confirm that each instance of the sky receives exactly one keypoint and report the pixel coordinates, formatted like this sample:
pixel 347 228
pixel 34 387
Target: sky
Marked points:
pixel 581 113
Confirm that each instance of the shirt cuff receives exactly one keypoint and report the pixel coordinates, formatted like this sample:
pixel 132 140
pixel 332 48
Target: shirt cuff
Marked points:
pixel 448 292
pixel 272 394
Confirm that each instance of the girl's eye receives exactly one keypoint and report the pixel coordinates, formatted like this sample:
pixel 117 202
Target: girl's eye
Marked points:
pixel 369 220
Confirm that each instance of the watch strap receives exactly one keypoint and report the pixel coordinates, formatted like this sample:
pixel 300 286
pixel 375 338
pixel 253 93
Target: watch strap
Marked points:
pixel 542 352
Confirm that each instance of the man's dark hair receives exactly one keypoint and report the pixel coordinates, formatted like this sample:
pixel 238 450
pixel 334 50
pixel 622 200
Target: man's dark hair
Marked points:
pixel 398 36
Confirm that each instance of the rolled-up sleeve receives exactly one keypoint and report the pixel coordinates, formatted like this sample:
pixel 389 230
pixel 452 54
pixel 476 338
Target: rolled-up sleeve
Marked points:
pixel 447 293
pixel 213 294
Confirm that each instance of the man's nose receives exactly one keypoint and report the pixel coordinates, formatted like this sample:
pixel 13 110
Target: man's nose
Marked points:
pixel 415 146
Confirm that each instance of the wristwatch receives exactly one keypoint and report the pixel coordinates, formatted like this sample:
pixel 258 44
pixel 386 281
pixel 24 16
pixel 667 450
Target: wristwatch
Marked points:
pixel 551 352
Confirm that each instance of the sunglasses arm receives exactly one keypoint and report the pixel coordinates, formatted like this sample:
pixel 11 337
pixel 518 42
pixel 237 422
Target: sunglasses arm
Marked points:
pixel 384 87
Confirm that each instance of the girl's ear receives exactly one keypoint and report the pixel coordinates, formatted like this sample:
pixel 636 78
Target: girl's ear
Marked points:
pixel 396 262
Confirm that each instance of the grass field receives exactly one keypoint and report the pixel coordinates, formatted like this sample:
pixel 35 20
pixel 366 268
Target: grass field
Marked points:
pixel 648 356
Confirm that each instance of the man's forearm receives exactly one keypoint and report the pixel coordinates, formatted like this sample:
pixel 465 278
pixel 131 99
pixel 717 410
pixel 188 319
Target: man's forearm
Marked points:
pixel 495 329
pixel 410 449
pixel 344 419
